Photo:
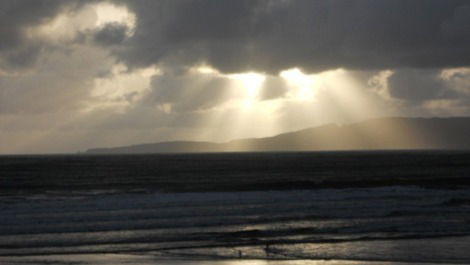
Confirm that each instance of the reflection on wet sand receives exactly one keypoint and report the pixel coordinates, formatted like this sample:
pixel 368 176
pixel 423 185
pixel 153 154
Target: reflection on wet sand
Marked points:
pixel 121 259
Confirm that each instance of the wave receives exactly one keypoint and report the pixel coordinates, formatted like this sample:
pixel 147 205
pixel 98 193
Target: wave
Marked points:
pixel 197 223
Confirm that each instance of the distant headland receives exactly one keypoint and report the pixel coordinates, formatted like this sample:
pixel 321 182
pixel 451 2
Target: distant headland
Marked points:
pixel 377 134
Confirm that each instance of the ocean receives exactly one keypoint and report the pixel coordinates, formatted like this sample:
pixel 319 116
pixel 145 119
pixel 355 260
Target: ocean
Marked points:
pixel 384 207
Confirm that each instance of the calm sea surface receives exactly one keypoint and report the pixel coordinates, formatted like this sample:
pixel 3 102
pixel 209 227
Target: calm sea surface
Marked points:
pixel 251 208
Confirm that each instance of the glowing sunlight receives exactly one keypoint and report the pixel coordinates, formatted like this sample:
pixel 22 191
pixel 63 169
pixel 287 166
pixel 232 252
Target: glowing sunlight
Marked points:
pixel 109 13
pixel 302 83
pixel 251 82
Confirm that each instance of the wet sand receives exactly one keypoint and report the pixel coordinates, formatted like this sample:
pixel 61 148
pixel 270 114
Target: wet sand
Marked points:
pixel 120 259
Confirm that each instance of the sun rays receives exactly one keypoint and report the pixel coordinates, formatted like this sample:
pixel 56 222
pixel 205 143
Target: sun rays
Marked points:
pixel 251 83
pixel 302 84
pixel 308 100
pixel 237 109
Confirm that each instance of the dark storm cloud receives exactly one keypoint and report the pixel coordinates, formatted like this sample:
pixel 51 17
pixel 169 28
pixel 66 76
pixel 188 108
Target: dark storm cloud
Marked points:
pixel 16 49
pixel 14 15
pixel 269 36
pixel 111 34
pixel 459 25
pixel 188 91
pixel 21 56
pixel 61 80
pixel 418 85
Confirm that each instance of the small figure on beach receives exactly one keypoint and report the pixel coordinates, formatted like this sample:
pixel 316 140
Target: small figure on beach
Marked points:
pixel 267 249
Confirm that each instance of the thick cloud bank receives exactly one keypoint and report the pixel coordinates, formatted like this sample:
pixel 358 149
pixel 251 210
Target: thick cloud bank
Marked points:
pixel 269 36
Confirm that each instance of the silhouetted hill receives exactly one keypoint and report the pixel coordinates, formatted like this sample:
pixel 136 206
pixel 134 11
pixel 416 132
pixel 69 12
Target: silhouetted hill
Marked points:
pixel 376 134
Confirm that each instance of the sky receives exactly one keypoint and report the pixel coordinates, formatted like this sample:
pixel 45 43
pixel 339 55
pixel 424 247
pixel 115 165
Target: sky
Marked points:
pixel 78 74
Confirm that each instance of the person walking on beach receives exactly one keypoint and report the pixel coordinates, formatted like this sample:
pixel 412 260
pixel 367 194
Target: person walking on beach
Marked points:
pixel 267 250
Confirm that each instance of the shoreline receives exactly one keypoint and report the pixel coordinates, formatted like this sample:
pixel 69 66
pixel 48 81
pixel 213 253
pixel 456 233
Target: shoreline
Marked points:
pixel 142 259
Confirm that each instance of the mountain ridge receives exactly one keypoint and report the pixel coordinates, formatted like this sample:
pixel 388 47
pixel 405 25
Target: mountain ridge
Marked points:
pixel 390 133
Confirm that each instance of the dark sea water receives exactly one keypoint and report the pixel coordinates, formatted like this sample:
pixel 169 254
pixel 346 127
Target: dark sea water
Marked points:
pixel 254 208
